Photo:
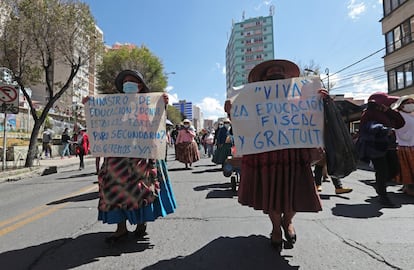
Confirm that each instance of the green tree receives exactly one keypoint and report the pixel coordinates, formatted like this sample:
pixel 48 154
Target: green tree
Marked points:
pixel 38 34
pixel 174 115
pixel 138 58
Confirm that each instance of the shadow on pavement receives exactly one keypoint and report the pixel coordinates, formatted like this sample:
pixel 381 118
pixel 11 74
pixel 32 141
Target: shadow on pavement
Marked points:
pixel 179 169
pixel 252 252
pixel 212 186
pixel 77 175
pixel 68 253
pixel 208 170
pixel 218 191
pixel 78 198
pixel 372 209
pixel 329 196
pixel 357 210
pixel 208 165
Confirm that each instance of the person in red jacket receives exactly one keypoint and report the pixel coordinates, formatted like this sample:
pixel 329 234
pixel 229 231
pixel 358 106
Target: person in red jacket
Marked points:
pixel 82 147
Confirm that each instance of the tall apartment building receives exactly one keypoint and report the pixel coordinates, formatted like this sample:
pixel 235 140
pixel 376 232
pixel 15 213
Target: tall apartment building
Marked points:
pixel 251 42
pixel 398 29
pixel 191 112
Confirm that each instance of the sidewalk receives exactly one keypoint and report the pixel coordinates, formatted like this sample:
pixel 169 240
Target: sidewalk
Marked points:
pixel 40 165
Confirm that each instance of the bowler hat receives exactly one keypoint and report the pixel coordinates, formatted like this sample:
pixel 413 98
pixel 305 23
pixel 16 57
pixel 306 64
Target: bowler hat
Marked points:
pixel 290 69
pixel 382 98
pixel 119 81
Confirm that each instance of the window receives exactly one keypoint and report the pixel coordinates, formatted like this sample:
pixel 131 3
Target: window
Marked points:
pixel 408 68
pixel 394 4
pixel 406 35
pixel 390 41
pixel 412 27
pixel 400 36
pixel 387 7
pixel 400 77
pixel 397 38
pixel 390 5
pixel 392 85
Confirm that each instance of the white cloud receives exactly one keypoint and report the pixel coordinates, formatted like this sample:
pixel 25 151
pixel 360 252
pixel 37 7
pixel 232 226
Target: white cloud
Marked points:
pixel 355 9
pixel 361 86
pixel 263 3
pixel 211 108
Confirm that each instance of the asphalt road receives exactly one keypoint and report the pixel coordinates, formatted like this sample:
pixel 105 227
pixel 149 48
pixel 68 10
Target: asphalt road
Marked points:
pixel 50 222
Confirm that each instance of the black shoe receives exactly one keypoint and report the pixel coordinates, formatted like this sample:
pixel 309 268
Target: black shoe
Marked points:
pixel 141 229
pixel 116 238
pixel 290 239
pixel 386 202
pixel 276 244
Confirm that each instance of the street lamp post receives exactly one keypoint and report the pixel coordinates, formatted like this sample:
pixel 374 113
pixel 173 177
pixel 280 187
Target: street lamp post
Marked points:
pixel 327 74
pixel 310 70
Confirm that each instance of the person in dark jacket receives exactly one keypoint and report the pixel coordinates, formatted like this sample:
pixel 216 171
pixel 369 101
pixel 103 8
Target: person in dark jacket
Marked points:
pixel 378 122
pixel 66 143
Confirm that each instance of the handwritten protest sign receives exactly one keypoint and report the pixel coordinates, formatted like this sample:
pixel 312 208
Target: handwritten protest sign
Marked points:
pixel 127 125
pixel 272 115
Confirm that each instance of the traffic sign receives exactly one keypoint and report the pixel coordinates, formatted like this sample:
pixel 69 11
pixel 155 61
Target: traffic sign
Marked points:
pixel 9 99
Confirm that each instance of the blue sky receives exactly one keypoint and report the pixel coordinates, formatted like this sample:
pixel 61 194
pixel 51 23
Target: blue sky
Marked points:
pixel 190 38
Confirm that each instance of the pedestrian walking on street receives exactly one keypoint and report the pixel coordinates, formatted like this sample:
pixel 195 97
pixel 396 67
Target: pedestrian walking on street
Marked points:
pixel 336 181
pixel 280 182
pixel 46 143
pixel 405 138
pixel 66 143
pixel 224 141
pixel 82 147
pixel 209 142
pixel 377 141
pixel 187 148
pixel 133 189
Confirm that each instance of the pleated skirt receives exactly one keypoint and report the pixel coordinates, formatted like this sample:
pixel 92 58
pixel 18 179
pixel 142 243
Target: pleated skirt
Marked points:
pixel 187 152
pixel 163 205
pixel 406 160
pixel 280 181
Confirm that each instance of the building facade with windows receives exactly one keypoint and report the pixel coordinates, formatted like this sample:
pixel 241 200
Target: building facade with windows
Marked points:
pixel 398 30
pixel 251 42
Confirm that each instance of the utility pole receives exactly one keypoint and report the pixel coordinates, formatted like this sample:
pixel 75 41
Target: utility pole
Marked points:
pixel 327 74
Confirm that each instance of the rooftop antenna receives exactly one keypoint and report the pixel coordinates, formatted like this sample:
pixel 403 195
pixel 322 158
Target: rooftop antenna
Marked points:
pixel 271 10
pixel 243 15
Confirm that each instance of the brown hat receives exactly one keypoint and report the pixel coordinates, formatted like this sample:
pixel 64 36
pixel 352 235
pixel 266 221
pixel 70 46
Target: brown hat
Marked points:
pixel 121 76
pixel 290 68
pixel 382 98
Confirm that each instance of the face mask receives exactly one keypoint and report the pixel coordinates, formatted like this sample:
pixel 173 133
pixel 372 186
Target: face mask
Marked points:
pixel 220 126
pixel 227 125
pixel 130 87
pixel 186 126
pixel 408 107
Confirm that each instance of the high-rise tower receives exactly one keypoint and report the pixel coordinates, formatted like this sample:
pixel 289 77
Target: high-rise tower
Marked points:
pixel 251 42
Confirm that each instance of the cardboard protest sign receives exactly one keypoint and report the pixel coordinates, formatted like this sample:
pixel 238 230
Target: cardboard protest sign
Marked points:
pixel 272 115
pixel 127 125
